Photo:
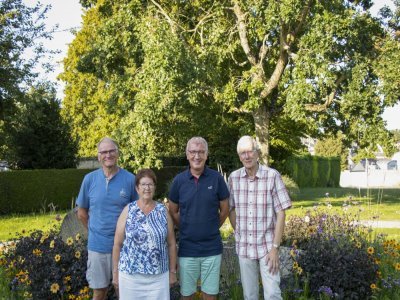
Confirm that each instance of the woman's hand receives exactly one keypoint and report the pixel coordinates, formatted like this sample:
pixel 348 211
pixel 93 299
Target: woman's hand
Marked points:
pixel 115 281
pixel 172 279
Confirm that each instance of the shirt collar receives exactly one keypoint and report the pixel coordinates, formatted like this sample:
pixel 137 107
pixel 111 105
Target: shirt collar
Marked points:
pixel 189 175
pixel 258 173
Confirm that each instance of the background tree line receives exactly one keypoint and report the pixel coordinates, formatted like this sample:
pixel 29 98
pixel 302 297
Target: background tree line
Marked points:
pixel 153 73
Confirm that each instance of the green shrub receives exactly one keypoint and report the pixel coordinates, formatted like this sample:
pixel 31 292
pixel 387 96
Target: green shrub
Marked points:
pixel 313 171
pixel 291 186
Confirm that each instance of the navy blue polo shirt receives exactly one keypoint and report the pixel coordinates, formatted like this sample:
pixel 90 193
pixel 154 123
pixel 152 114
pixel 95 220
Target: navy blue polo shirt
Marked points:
pixel 199 202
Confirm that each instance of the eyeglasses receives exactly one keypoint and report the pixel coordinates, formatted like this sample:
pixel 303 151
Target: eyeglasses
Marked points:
pixel 110 152
pixel 146 185
pixel 247 153
pixel 199 152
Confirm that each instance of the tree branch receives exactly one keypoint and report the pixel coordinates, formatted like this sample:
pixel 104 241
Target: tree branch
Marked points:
pixel 263 50
pixel 303 17
pixel 241 24
pixel 329 98
pixel 280 66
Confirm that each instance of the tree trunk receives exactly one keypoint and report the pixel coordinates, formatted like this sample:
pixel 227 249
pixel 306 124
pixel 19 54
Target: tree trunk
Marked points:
pixel 262 120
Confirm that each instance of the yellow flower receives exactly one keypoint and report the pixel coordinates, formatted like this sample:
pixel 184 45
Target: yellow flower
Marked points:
pixel 78 254
pixel 54 288
pixel 295 265
pixel 299 270
pixel 377 261
pixel 292 253
pixel 379 274
pixel 71 296
pixel 27 295
pixel 397 266
pixel 52 244
pixel 358 244
pixel 66 279
pixel 57 258
pixel 78 237
pixel 371 250
pixel 37 252
pixel 70 241
pixel 68 288
pixel 373 286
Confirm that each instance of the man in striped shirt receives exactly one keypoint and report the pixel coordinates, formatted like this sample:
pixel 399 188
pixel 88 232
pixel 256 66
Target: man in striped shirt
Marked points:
pixel 258 199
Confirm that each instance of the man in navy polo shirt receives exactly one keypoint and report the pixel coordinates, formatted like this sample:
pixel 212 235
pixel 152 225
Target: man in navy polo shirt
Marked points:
pixel 104 194
pixel 199 206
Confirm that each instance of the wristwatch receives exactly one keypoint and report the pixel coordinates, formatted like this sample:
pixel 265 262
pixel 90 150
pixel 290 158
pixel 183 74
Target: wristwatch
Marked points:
pixel 276 246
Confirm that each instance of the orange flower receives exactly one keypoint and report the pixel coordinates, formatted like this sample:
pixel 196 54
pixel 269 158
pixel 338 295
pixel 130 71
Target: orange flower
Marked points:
pixel 371 250
pixel 373 286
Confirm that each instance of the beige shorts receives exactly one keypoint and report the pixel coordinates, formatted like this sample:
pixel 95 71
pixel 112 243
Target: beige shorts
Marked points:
pixel 99 270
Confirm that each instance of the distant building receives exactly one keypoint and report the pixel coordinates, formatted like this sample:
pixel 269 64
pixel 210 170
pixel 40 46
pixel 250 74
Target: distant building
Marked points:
pixel 88 163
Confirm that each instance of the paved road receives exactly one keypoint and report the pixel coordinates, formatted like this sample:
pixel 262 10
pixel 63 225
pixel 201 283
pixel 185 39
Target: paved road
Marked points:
pixel 382 224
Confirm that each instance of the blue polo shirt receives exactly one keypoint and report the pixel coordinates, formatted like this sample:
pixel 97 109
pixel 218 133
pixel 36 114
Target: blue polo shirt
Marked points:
pixel 105 202
pixel 199 202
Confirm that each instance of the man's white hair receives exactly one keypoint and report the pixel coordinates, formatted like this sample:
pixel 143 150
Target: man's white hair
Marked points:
pixel 107 140
pixel 246 140
pixel 197 140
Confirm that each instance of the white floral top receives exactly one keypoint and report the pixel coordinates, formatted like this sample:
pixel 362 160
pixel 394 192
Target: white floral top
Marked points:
pixel 144 250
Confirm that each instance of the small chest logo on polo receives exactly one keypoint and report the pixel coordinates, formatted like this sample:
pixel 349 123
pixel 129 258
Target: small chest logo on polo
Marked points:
pixel 210 187
pixel 123 194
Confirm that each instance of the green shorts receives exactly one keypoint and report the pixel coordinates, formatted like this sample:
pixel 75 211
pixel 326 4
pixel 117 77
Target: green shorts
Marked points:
pixel 206 268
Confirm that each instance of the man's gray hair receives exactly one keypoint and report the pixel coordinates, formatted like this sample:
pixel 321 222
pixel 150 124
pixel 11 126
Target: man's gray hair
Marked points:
pixel 107 140
pixel 245 140
pixel 197 140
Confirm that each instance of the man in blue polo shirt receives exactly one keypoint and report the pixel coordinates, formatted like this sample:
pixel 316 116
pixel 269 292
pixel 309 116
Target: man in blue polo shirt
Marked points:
pixel 103 195
pixel 199 206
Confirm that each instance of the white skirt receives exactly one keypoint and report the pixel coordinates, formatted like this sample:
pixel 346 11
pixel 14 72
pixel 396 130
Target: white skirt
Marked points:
pixel 142 286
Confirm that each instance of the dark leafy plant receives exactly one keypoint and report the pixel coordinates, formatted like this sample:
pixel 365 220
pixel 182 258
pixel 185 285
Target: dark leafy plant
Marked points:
pixel 332 254
pixel 45 267
pixel 337 264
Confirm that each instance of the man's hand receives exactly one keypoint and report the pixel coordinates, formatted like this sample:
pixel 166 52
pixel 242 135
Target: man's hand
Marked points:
pixel 272 260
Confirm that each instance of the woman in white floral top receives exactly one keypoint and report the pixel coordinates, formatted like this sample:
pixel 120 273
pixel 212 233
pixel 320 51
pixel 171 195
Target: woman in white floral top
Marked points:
pixel 144 252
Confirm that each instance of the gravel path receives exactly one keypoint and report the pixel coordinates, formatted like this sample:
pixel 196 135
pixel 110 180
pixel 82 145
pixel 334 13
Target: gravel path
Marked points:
pixel 382 224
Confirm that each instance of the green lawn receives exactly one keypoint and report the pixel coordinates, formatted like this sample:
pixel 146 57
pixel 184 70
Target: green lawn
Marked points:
pixel 382 204
pixel 23 224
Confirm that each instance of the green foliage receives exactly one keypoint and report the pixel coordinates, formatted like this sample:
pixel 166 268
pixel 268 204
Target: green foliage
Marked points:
pixel 313 171
pixel 28 191
pixel 20 29
pixel 43 266
pixel 39 138
pixel 153 73
pixel 396 135
pixel 333 146
pixel 291 186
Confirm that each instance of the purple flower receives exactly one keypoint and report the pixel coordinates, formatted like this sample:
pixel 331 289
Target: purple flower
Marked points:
pixel 326 290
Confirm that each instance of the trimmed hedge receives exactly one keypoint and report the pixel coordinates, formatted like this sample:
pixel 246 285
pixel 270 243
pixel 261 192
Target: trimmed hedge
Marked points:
pixel 313 171
pixel 29 191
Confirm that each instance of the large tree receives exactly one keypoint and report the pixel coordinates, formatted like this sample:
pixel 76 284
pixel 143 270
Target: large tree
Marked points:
pixel 167 68
pixel 40 138
pixel 21 29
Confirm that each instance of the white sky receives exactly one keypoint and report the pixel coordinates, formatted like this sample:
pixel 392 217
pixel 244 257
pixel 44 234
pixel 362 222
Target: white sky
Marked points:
pixel 67 13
